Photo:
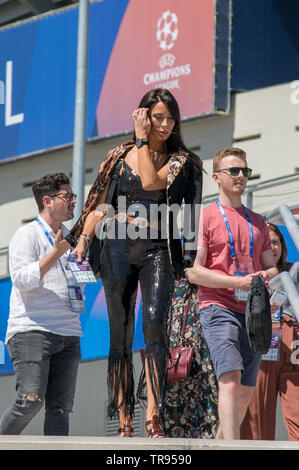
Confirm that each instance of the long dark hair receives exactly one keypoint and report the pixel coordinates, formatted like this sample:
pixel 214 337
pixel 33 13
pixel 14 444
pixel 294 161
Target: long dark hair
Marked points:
pixel 175 141
pixel 282 262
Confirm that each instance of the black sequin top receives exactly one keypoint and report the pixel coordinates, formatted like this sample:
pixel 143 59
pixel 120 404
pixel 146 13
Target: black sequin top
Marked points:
pixel 135 200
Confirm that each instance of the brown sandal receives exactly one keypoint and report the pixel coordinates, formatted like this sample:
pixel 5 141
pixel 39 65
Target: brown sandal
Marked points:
pixel 153 428
pixel 127 430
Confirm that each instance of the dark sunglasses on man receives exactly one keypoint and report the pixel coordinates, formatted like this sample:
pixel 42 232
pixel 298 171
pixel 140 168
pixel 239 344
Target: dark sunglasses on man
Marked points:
pixel 235 171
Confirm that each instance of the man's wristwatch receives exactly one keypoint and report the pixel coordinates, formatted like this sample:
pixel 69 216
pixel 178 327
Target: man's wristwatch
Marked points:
pixel 140 142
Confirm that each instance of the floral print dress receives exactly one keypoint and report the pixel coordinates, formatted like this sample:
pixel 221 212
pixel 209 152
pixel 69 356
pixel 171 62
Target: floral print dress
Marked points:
pixel 191 405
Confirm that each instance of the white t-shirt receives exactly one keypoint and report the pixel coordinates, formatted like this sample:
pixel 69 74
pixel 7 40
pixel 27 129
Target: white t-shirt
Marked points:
pixel 35 303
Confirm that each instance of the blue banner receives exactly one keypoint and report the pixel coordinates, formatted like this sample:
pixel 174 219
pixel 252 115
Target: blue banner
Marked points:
pixel 95 325
pixel 38 76
pixel 38 69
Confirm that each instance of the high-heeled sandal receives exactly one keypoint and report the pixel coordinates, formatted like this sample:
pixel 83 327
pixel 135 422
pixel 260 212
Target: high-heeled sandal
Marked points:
pixel 127 430
pixel 153 428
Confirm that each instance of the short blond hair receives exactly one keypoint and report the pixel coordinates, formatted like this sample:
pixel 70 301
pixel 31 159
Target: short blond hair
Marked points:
pixel 227 152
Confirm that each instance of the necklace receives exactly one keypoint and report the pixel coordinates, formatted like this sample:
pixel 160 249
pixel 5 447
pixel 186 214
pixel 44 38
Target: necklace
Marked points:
pixel 158 155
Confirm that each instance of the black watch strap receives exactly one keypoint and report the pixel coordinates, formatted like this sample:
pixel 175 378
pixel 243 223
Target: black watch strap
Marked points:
pixel 140 142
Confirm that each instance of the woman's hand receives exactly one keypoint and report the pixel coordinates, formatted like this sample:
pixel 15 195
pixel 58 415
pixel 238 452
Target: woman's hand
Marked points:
pixel 80 249
pixel 142 123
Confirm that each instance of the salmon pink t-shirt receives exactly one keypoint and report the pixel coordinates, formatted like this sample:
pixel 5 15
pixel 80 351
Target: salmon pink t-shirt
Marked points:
pixel 213 235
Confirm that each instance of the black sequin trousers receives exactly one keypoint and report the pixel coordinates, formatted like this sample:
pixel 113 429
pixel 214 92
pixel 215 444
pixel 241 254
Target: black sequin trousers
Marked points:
pixel 124 262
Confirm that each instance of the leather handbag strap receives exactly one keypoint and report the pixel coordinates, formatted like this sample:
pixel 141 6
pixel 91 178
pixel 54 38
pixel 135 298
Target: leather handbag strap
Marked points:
pixel 113 182
pixel 185 317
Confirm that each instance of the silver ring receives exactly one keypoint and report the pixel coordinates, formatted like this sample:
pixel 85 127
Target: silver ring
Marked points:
pixel 135 116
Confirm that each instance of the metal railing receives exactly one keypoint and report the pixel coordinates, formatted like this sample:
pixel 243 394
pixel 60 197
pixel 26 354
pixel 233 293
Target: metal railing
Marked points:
pixel 250 190
pixel 282 215
pixel 285 282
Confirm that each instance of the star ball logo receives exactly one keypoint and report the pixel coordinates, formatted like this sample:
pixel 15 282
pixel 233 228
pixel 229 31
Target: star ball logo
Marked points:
pixel 167 30
pixel 169 74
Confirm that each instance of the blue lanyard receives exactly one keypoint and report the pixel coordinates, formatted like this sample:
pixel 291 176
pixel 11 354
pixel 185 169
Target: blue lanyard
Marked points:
pixel 231 240
pixel 49 238
pixel 45 230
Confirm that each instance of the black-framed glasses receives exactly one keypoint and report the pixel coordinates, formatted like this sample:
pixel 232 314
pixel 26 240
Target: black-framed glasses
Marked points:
pixel 66 196
pixel 235 171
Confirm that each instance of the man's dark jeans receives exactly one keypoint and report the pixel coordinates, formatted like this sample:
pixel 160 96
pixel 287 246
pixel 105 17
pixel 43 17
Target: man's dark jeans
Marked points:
pixel 46 367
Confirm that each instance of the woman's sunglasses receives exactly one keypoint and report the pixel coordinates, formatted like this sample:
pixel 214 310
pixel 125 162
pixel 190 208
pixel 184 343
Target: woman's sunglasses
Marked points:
pixel 235 171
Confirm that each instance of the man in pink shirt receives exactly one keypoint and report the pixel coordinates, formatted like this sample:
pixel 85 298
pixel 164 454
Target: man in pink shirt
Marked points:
pixel 233 246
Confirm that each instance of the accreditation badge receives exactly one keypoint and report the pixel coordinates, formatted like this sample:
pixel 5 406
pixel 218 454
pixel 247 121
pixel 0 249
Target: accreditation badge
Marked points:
pixel 274 351
pixel 243 267
pixel 240 294
pixel 82 272
pixel 76 299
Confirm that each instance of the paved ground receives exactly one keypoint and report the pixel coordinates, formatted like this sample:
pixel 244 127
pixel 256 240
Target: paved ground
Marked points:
pixel 135 444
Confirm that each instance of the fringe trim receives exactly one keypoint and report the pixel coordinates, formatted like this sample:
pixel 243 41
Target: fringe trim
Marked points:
pixel 157 358
pixel 120 382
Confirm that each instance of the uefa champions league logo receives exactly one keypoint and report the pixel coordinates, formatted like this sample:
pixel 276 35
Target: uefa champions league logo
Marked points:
pixel 167 30
pixel 170 73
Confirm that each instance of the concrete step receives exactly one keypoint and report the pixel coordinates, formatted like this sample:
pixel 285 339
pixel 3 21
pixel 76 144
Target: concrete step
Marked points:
pixel 25 442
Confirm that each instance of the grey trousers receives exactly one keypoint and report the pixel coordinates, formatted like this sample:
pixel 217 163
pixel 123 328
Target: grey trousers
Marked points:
pixel 46 367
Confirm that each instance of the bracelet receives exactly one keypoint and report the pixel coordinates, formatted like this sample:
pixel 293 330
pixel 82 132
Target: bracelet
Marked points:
pixel 86 237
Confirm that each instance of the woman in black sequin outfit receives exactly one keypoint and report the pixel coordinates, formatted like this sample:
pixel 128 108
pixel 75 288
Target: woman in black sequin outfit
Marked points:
pixel 157 170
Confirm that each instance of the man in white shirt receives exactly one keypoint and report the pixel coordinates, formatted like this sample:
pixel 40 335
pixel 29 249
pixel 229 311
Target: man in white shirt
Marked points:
pixel 43 331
